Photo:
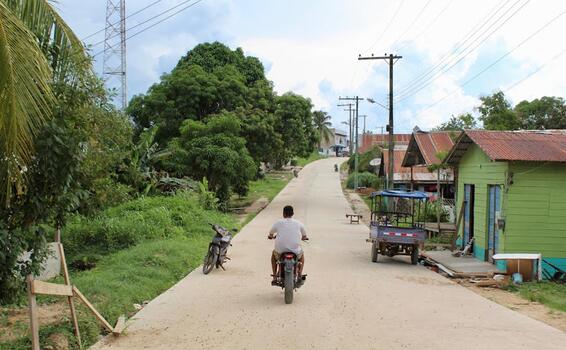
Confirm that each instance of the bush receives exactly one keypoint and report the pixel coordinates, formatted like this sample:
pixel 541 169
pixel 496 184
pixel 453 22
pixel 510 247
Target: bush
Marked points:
pixel 427 212
pixel 127 224
pixel 364 180
pixel 108 193
pixel 364 159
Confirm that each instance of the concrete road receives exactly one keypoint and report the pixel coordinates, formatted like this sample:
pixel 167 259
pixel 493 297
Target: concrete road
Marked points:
pixel 346 303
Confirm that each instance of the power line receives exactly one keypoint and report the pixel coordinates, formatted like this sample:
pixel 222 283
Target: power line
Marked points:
pixel 558 55
pixel 156 23
pixel 415 20
pixel 117 23
pixel 448 54
pixel 544 26
pixel 446 68
pixel 151 19
pixel 388 25
pixel 428 25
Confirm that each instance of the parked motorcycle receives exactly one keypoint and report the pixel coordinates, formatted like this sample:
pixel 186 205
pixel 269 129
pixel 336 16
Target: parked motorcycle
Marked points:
pixel 217 249
pixel 335 167
pixel 287 276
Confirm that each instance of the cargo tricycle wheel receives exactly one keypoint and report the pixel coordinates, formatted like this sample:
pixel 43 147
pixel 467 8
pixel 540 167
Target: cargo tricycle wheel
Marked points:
pixel 415 255
pixel 374 252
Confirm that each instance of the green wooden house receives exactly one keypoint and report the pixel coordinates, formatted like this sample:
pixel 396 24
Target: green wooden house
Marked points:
pixel 511 187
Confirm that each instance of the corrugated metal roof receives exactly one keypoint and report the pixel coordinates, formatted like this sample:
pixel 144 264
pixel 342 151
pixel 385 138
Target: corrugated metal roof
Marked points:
pixel 401 173
pixel 370 140
pixel 535 146
pixel 424 147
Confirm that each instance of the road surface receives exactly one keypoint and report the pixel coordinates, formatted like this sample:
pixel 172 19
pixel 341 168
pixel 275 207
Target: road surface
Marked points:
pixel 347 302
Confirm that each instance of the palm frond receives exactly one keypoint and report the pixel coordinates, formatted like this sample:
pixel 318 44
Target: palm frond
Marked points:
pixel 57 41
pixel 25 99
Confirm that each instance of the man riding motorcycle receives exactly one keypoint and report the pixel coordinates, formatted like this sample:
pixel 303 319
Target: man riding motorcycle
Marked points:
pixel 289 233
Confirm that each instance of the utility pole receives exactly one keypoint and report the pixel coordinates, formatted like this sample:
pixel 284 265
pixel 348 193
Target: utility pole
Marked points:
pixel 114 63
pixel 381 128
pixel 350 110
pixel 363 132
pixel 357 99
pixel 390 59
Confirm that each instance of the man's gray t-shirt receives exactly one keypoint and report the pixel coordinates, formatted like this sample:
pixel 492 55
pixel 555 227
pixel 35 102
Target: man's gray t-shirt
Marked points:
pixel 289 233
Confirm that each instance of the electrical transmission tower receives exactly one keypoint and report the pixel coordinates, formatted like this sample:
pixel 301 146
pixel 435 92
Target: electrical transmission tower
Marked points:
pixel 114 63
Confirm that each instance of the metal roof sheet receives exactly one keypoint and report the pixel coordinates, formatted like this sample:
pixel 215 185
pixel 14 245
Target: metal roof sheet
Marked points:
pixel 524 145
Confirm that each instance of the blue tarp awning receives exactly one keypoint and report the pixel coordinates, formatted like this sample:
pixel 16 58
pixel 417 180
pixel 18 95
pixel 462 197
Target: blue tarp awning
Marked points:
pixel 400 194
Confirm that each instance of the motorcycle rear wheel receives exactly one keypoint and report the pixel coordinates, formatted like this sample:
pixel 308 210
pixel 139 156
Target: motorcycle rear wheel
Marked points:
pixel 289 287
pixel 210 260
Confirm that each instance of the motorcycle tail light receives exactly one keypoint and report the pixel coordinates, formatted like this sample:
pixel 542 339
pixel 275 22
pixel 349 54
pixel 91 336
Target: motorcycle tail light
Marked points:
pixel 289 256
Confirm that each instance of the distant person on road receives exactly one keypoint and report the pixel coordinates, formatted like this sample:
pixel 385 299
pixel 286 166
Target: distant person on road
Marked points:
pixel 288 234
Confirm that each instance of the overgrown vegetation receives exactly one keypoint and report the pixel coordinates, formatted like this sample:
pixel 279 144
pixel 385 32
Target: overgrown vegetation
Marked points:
pixel 132 253
pixel 364 180
pixel 364 159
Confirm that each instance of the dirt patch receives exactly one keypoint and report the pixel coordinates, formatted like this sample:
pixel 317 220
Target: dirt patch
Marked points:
pixel 358 205
pixel 257 206
pixel 424 280
pixel 538 311
pixel 14 322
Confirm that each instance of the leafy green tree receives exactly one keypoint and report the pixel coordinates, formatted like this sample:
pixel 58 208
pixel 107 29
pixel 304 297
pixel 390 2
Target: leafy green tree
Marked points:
pixel 211 78
pixel 545 113
pixel 322 125
pixel 214 150
pixel 464 121
pixel 210 56
pixel 496 113
pixel 258 129
pixel 36 48
pixel 293 121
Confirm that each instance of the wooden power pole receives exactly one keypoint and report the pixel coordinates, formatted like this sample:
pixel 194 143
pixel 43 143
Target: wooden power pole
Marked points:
pixel 390 59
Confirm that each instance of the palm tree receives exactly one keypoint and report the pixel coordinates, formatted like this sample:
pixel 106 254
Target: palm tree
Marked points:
pixel 322 125
pixel 37 49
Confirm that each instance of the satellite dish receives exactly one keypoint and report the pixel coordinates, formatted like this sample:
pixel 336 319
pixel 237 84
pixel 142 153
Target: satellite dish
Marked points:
pixel 375 162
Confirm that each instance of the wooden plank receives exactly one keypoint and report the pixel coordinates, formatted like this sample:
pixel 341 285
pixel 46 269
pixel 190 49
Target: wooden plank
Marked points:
pixel 120 324
pixel 70 298
pixel 445 269
pixel 33 319
pixel 40 287
pixel 98 316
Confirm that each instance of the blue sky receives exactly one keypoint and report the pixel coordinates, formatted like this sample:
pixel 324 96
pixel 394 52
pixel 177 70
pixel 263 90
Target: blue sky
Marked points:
pixel 311 47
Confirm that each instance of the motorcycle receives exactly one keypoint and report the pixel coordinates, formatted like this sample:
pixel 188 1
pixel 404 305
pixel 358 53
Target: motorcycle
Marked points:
pixel 335 167
pixel 287 275
pixel 217 249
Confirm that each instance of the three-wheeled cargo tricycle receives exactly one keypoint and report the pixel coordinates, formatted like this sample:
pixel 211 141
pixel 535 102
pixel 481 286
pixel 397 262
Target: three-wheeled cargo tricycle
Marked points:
pixel 396 227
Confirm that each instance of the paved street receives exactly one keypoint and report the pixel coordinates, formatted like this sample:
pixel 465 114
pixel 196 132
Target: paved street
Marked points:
pixel 347 302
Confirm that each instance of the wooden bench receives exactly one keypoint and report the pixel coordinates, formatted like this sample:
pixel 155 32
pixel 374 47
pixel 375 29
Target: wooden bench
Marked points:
pixel 354 218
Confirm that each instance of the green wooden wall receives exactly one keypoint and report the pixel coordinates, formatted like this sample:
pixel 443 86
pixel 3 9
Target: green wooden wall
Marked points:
pixel 536 210
pixel 533 204
pixel 477 169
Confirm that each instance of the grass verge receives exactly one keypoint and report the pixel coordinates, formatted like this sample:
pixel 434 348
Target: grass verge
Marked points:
pixel 171 239
pixel 268 187
pixel 550 294
pixel 314 156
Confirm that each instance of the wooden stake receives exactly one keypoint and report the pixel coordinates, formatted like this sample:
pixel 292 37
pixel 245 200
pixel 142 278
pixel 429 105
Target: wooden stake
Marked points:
pixel 70 298
pixel 87 303
pixel 33 320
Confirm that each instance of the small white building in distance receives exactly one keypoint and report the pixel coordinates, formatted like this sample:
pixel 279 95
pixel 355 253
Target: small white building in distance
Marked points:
pixel 336 145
